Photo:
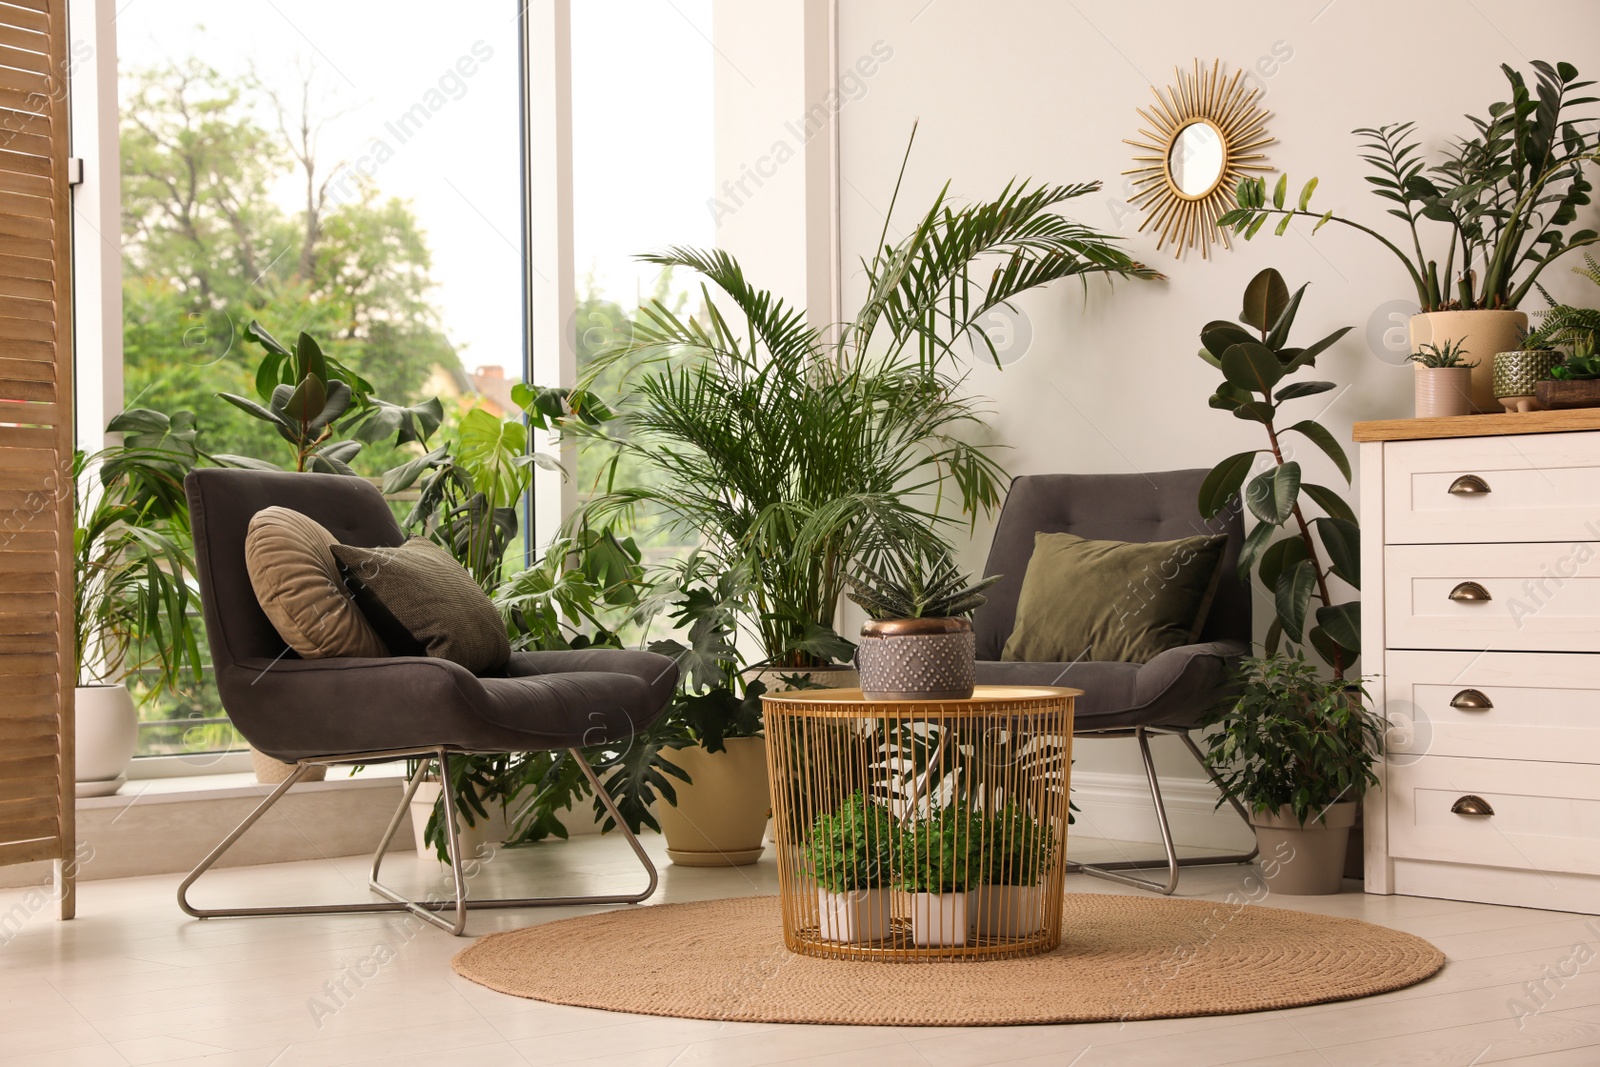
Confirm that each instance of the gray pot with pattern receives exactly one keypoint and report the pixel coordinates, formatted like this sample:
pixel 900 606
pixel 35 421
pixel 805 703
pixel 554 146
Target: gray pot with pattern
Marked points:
pixel 917 659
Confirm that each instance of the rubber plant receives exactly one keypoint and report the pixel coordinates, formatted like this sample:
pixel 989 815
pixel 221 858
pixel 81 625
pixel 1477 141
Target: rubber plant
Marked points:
pixel 1294 554
pixel 1506 195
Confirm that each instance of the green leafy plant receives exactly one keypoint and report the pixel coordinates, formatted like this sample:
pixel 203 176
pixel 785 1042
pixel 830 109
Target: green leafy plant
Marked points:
pixel 1506 195
pixel 132 553
pixel 1577 369
pixel 854 847
pixel 943 852
pixel 899 588
pixel 1289 738
pixel 1576 329
pixel 1292 568
pixel 1449 356
pixel 786 447
pixel 1016 847
pixel 311 399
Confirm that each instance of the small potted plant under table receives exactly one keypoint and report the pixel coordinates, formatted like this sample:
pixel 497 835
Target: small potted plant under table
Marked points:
pixel 850 852
pixel 1016 851
pixel 940 860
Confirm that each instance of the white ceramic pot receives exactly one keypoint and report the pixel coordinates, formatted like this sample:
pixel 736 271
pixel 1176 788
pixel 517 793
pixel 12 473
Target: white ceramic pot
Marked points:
pixel 105 734
pixel 939 919
pixel 720 818
pixel 1007 910
pixel 856 917
pixel 1304 860
pixel 1443 391
pixel 1482 334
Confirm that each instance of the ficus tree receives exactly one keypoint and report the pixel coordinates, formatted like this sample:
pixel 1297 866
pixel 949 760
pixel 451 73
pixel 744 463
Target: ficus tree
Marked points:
pixel 1292 550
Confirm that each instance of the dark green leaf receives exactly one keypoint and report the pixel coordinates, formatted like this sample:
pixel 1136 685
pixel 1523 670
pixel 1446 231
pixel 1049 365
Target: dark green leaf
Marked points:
pixel 1264 300
pixel 1254 544
pixel 1342 539
pixel 1222 484
pixel 1252 366
pixel 1273 492
pixel 1329 501
pixel 1292 597
pixel 1342 622
pixel 1279 556
pixel 1296 390
pixel 1308 356
pixel 1323 438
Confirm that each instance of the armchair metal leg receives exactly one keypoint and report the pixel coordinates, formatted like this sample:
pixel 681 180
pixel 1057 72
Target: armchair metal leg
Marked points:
pixel 1112 871
pixel 429 910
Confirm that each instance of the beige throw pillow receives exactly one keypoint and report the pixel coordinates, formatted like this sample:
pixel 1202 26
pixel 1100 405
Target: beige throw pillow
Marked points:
pixel 297 581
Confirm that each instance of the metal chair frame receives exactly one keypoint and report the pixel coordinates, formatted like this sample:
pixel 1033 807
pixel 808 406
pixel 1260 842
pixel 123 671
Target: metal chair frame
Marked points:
pixel 428 910
pixel 1111 871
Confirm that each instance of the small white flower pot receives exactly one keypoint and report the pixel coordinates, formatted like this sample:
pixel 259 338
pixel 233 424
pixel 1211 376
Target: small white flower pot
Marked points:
pixel 1007 910
pixel 854 917
pixel 938 919
pixel 106 734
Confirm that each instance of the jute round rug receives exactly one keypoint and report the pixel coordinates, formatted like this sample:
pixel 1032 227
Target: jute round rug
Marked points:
pixel 1121 957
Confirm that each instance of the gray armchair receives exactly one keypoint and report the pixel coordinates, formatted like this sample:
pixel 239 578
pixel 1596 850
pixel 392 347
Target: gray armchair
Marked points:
pixel 1167 695
pixel 348 711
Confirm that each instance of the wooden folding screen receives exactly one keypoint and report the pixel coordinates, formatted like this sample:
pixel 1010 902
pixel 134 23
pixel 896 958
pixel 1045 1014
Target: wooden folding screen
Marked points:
pixel 36 443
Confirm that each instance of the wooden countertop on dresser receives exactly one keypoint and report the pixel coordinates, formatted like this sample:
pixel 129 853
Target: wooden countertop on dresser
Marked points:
pixel 1565 421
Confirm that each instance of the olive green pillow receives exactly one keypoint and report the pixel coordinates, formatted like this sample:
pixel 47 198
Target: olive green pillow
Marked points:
pixel 1113 600
pixel 288 556
pixel 441 611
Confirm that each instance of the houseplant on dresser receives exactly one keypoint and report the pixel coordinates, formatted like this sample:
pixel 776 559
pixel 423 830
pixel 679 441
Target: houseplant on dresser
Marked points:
pixel 1502 202
pixel 1444 380
pixel 1297 750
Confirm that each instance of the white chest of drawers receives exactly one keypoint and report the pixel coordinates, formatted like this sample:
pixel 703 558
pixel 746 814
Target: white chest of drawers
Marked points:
pixel 1481 623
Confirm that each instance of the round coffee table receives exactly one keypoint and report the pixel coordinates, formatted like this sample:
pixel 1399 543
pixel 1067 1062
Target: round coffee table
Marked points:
pixel 921 830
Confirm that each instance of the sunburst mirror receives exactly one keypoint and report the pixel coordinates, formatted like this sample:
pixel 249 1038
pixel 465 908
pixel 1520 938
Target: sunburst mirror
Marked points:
pixel 1207 133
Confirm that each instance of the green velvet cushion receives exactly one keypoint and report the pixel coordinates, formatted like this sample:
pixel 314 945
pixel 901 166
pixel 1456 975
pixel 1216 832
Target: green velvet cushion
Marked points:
pixel 1112 600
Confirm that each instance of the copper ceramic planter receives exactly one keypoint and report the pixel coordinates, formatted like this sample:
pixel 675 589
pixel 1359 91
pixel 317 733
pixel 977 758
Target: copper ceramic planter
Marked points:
pixel 917 659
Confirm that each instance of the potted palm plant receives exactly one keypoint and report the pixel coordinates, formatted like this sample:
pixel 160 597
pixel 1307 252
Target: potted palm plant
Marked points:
pixel 940 861
pixel 1009 902
pixel 131 595
pixel 1297 750
pixel 850 853
pixel 917 643
pixel 1504 199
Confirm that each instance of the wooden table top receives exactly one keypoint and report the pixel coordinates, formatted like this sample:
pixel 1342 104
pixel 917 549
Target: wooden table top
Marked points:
pixel 1565 421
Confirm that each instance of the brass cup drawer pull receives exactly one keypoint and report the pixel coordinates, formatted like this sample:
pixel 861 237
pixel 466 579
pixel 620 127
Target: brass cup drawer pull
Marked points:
pixel 1472 805
pixel 1469 485
pixel 1470 591
pixel 1471 700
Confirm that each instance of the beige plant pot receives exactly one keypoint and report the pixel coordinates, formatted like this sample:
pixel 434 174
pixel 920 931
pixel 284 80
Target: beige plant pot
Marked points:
pixel 820 678
pixel 105 736
pixel 857 917
pixel 1307 860
pixel 1443 391
pixel 1006 910
pixel 939 919
pixel 1482 334
pixel 270 771
pixel 721 817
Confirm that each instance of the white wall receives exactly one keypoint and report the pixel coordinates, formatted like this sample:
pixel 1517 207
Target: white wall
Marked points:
pixel 1047 90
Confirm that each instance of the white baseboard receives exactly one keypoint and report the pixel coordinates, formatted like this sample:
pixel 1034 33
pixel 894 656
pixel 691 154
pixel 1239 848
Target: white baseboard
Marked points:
pixel 1118 807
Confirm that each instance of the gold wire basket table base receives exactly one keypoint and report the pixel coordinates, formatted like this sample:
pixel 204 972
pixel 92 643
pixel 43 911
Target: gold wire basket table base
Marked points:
pixel 921 830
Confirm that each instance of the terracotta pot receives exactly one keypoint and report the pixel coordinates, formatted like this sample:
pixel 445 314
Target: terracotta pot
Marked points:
pixel 916 659
pixel 1443 391
pixel 1304 860
pixel 938 919
pixel 105 735
pixel 270 771
pixel 1482 334
pixel 721 817
pixel 856 917
pixel 1006 910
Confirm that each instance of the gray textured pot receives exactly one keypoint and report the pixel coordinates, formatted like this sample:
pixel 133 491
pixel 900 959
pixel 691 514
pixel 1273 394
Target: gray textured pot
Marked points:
pixel 916 659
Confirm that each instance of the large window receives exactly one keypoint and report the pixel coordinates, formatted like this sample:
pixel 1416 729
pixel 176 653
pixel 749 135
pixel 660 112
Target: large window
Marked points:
pixel 351 170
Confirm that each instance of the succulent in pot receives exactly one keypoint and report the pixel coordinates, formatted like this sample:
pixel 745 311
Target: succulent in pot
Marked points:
pixel 917 643
pixel 1444 380
pixel 850 853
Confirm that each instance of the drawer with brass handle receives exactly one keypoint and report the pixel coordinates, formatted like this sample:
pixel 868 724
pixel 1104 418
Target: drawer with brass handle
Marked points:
pixel 1503 597
pixel 1534 487
pixel 1496 813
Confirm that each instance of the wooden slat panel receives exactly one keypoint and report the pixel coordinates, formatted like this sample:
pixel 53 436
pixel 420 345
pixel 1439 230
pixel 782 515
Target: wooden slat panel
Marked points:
pixel 24 692
pixel 27 718
pixel 11 389
pixel 31 415
pixel 27 583
pixel 31 767
pixel 25 163
pixel 27 247
pixel 24 59
pixel 35 351
pixel 25 603
pixel 26 540
pixel 27 459
pixel 25 288
pixel 42 481
pixel 26 829
pixel 40 804
pixel 26 329
pixel 36 270
pixel 23 119
pixel 25 788
pixel 24 81
pixel 25 665
pixel 26 370
pixel 28 851
pixel 30 5
pixel 25 216
pixel 29 143
pixel 25 437
pixel 39 623
pixel 18 37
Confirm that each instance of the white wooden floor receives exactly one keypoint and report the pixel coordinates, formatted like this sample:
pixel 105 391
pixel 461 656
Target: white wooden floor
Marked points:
pixel 133 981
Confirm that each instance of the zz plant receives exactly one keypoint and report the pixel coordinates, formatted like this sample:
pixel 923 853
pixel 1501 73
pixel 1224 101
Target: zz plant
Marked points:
pixel 1295 568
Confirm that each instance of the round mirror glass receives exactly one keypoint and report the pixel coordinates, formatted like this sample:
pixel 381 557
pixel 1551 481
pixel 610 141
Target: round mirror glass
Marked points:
pixel 1195 161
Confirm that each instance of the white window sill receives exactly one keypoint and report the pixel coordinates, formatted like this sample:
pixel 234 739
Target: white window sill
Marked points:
pixel 215 786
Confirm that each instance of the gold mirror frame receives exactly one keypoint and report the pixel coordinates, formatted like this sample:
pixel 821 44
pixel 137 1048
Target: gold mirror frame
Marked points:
pixel 1229 108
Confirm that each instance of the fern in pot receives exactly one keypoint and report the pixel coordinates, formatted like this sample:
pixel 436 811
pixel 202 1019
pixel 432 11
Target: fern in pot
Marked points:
pixel 941 860
pixel 1016 852
pixel 917 643
pixel 851 856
